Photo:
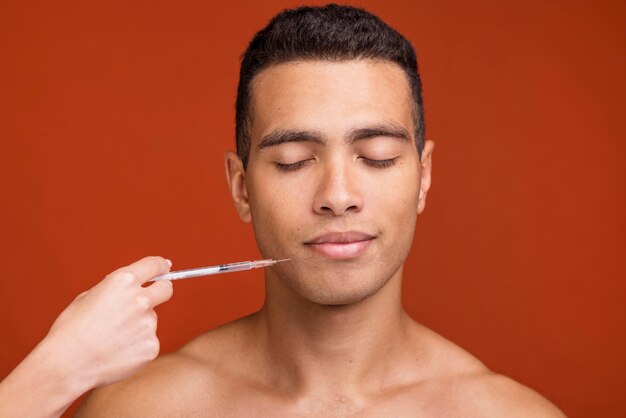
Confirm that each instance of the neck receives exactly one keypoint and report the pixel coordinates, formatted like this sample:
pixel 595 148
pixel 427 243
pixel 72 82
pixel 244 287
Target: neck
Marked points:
pixel 339 348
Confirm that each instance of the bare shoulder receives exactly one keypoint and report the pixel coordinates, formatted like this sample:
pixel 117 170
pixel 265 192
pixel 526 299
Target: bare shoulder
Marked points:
pixel 188 382
pixel 148 391
pixel 492 394
pixel 463 383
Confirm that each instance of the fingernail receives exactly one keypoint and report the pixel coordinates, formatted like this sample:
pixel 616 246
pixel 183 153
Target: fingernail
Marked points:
pixel 169 262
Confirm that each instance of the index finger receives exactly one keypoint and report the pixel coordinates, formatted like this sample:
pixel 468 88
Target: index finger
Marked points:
pixel 146 268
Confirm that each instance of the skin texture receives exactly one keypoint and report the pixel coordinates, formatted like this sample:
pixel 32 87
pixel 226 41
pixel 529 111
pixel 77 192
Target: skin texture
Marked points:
pixel 105 335
pixel 332 339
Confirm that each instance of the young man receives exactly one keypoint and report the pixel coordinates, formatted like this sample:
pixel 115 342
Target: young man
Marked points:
pixel 332 170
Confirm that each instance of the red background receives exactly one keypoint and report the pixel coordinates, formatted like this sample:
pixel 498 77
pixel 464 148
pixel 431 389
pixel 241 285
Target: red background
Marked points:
pixel 114 117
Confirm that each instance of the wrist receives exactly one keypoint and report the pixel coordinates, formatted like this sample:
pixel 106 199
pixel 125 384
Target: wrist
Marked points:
pixel 42 385
pixel 61 377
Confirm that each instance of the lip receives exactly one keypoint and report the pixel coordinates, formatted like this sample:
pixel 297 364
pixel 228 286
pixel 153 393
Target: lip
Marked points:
pixel 341 245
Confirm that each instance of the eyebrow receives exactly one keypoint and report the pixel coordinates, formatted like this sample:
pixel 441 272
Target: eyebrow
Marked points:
pixel 392 130
pixel 281 136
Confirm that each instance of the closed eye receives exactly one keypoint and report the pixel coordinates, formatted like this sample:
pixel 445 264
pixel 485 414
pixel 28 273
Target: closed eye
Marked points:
pixel 368 161
pixel 292 166
pixel 379 163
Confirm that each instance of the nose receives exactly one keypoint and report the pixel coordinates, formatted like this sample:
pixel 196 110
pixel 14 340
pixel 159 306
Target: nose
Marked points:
pixel 338 190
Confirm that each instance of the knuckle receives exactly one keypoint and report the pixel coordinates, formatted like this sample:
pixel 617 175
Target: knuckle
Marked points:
pixel 153 348
pixel 143 301
pixel 125 278
pixel 151 324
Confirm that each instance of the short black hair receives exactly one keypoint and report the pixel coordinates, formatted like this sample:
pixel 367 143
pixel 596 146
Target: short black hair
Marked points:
pixel 333 33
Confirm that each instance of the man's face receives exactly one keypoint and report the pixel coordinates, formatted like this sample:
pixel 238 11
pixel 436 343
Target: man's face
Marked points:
pixel 333 177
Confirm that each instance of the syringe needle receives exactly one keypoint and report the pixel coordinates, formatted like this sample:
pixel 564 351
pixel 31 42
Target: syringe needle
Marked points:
pixel 219 269
pixel 265 263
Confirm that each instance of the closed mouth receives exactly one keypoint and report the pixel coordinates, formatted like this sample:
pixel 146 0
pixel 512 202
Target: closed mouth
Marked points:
pixel 341 245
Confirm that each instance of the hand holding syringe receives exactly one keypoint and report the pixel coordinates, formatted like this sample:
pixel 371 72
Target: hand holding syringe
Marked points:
pixel 106 334
pixel 222 268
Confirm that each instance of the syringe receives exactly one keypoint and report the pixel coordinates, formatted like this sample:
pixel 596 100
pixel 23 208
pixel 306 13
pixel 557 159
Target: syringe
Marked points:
pixel 222 268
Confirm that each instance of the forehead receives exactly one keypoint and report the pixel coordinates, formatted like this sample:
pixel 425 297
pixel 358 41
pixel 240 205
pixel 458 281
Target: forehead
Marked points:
pixel 331 97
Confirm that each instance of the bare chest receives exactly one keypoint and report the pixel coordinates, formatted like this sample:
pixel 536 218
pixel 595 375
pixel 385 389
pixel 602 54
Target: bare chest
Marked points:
pixel 247 403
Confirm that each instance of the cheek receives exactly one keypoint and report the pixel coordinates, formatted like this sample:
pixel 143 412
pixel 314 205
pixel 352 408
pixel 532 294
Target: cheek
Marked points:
pixel 276 204
pixel 398 193
pixel 396 206
pixel 277 214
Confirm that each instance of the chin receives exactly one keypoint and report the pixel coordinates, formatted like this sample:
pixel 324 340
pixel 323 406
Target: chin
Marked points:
pixel 337 291
pixel 335 298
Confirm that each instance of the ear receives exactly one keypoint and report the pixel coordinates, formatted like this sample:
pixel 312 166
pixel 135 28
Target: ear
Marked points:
pixel 425 174
pixel 236 177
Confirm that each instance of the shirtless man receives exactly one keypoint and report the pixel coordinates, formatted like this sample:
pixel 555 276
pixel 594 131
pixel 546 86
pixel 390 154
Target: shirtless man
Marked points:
pixel 332 170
